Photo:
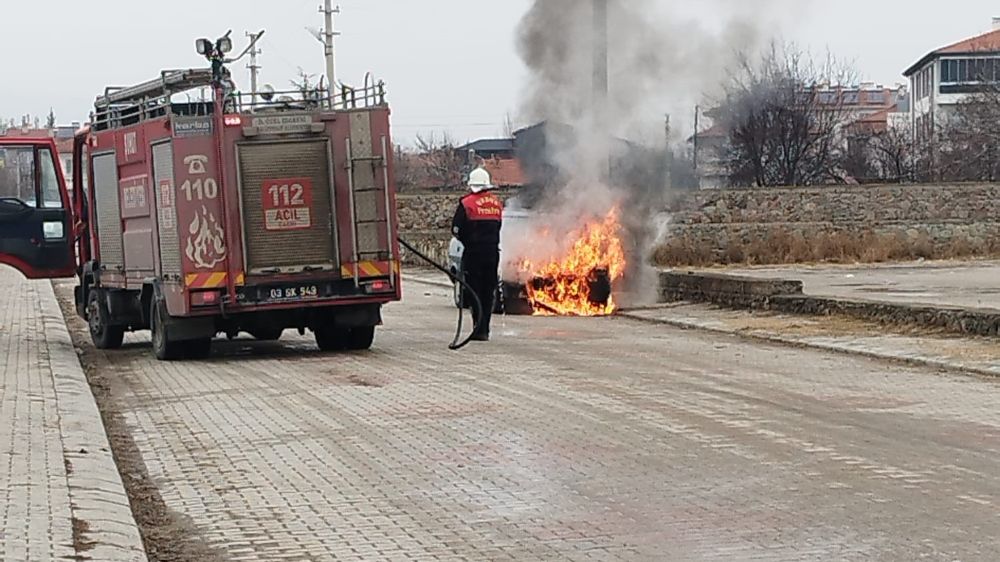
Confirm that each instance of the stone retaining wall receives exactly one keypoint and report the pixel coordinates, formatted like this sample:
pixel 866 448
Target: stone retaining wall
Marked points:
pixel 425 221
pixel 872 205
pixel 937 220
pixel 725 290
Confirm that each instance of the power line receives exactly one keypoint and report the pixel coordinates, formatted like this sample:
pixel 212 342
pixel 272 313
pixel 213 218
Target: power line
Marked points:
pixel 443 125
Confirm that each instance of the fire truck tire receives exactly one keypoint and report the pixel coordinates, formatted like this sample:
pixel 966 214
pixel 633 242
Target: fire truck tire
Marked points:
pixel 104 334
pixel 198 349
pixel 345 339
pixel 329 338
pixel 163 348
pixel 360 339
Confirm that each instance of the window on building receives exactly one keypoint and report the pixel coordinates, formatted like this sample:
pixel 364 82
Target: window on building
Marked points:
pixel 876 98
pixel 979 71
pixel 851 98
pixel 923 83
pixel 949 71
pixel 827 97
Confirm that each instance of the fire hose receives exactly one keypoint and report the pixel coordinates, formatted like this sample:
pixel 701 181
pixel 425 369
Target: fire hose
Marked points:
pixel 458 342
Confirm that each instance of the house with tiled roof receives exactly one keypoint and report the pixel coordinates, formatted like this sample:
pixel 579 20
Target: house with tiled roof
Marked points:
pixel 944 77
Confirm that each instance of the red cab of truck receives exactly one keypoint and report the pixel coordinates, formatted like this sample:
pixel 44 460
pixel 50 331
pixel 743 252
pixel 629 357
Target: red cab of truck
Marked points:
pixel 236 214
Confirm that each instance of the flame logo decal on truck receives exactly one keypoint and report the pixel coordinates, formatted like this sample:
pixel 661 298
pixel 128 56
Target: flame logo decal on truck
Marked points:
pixel 206 246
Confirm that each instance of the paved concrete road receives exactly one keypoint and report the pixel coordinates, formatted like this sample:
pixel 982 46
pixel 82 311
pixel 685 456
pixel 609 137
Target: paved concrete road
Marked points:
pixel 566 439
pixel 970 284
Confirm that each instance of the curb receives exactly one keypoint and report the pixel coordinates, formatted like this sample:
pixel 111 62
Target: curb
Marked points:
pixel 912 361
pixel 97 494
pixel 411 279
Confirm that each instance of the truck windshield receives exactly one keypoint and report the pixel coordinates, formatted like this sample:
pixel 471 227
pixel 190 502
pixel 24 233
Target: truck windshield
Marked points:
pixel 17 176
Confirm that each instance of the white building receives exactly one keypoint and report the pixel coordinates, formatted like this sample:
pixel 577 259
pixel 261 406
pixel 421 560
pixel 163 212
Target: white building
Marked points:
pixel 943 78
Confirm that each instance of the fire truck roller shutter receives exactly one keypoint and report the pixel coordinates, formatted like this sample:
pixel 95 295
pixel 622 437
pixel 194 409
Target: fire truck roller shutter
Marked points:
pixel 108 212
pixel 166 209
pixel 291 227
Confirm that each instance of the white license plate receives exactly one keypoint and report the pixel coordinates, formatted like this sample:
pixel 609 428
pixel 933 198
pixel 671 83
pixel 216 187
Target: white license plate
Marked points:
pixel 294 293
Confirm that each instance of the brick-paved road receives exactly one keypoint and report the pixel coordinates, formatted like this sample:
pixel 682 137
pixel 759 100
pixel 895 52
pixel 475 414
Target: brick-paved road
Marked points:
pixel 566 439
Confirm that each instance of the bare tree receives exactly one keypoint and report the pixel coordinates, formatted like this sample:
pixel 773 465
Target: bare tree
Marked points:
pixel 50 120
pixel 786 116
pixel 444 166
pixel 408 169
pixel 968 141
pixel 882 156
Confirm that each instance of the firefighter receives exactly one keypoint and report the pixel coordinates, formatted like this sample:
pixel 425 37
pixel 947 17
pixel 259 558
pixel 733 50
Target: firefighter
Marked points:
pixel 477 226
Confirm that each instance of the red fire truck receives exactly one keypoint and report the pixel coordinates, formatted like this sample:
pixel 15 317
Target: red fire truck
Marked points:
pixel 242 213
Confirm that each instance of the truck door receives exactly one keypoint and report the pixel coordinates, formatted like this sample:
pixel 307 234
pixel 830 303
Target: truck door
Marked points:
pixel 36 234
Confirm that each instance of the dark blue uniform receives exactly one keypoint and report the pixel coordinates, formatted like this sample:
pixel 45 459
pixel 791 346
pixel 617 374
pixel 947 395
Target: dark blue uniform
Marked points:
pixel 477 226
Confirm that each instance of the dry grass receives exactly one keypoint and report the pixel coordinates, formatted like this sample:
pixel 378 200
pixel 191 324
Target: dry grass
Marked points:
pixel 781 246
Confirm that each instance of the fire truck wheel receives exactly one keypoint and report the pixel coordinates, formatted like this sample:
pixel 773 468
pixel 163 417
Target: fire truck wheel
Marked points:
pixel 163 348
pixel 360 339
pixel 198 349
pixel 102 332
pixel 329 338
pixel 345 339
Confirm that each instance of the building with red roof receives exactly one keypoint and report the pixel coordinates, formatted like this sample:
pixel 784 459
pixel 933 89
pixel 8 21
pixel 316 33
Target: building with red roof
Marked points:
pixel 942 78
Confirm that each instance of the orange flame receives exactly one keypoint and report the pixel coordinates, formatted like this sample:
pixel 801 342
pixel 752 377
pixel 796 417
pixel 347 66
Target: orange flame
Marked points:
pixel 563 287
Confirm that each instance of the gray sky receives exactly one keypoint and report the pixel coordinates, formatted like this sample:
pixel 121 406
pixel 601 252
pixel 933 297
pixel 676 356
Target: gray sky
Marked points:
pixel 450 65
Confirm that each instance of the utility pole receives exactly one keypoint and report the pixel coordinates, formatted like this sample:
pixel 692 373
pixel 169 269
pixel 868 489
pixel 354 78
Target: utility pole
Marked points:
pixel 253 66
pixel 328 36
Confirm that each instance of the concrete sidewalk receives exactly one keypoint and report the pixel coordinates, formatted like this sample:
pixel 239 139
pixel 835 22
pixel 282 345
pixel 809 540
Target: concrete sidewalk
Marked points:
pixel 61 497
pixel 835 333
pixel 969 284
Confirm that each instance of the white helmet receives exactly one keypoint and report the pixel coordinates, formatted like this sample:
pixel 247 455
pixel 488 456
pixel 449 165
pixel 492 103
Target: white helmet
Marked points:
pixel 479 179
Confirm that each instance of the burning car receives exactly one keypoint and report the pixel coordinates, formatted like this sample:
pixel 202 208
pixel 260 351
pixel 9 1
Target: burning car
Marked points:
pixel 547 271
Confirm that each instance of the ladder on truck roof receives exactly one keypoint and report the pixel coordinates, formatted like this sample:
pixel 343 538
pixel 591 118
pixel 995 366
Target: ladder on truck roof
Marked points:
pixel 170 82
pixel 120 106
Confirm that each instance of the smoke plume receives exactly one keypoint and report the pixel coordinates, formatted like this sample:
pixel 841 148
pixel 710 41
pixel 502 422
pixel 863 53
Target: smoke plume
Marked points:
pixel 661 61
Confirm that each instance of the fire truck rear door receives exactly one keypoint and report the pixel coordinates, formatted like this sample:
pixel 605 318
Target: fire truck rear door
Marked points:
pixel 36 229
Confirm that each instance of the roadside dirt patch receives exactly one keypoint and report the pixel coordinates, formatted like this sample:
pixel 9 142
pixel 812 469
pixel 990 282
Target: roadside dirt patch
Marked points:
pixel 80 541
pixel 167 536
